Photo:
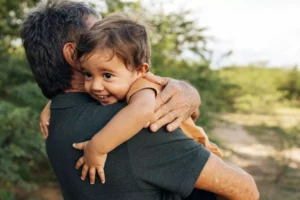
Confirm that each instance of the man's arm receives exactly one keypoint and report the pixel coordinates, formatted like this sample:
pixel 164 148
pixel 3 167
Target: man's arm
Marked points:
pixel 177 101
pixel 226 180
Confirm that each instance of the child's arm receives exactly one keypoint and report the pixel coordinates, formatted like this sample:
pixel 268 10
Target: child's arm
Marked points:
pixel 126 123
pixel 44 119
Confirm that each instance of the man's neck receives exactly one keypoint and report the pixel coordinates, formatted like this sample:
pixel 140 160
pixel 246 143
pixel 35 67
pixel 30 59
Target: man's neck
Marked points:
pixel 77 82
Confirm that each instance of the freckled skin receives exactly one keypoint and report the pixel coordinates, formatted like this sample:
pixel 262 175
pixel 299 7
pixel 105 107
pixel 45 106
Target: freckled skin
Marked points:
pixel 227 180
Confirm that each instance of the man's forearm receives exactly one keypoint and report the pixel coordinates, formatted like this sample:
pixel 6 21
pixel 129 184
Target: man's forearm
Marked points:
pixel 227 181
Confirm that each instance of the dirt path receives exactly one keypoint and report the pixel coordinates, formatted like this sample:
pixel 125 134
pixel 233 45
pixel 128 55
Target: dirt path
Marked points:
pixel 237 142
pixel 274 181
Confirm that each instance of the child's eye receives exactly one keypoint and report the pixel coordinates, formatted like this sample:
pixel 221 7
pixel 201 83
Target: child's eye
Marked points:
pixel 87 75
pixel 107 75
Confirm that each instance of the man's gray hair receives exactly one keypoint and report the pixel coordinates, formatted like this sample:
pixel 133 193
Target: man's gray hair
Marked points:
pixel 44 32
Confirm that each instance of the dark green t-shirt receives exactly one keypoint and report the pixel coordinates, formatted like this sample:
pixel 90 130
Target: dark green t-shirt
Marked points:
pixel 152 166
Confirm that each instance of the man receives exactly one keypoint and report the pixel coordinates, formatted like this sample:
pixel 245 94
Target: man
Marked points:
pixel 148 166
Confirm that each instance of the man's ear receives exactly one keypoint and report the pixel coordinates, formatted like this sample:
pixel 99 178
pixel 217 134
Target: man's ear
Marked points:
pixel 69 53
pixel 143 69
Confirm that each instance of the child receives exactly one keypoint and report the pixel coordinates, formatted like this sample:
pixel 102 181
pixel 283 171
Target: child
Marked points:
pixel 114 56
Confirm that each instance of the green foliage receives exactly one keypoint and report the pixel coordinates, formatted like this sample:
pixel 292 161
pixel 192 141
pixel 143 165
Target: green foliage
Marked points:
pixel 290 85
pixel 21 146
pixel 20 141
pixel 260 88
pixel 11 13
pixel 6 194
pixel 172 36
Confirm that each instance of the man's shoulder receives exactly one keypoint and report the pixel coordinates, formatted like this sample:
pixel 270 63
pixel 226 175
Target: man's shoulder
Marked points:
pixel 80 112
pixel 80 99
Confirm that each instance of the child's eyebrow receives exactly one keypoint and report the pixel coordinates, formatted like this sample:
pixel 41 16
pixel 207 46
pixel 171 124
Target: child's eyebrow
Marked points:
pixel 102 68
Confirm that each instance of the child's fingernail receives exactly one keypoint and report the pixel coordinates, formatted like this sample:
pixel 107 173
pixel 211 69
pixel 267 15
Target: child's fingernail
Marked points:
pixel 148 123
pixel 82 178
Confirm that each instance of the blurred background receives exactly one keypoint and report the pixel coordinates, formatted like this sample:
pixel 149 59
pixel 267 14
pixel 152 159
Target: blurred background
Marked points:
pixel 242 56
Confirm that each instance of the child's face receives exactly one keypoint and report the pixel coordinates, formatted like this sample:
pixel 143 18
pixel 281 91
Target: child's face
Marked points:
pixel 107 80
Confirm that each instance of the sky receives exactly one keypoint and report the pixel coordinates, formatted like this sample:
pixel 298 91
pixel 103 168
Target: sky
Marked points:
pixel 256 31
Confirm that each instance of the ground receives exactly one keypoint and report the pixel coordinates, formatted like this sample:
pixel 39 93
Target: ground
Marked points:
pixel 260 148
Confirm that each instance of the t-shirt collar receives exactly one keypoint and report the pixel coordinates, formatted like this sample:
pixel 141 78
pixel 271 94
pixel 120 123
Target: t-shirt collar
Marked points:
pixel 71 99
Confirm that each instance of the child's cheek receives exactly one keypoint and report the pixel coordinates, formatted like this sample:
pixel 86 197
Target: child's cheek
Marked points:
pixel 87 87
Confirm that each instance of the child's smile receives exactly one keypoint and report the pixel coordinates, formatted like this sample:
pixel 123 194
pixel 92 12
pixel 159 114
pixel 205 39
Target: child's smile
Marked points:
pixel 106 99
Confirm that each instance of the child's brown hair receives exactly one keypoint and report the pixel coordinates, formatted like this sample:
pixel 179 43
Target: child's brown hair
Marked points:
pixel 120 34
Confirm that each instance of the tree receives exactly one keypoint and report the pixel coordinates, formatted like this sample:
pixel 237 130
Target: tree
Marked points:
pixel 11 13
pixel 291 84
pixel 21 147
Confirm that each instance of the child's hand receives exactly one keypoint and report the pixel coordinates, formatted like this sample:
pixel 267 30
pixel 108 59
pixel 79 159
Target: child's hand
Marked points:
pixel 92 161
pixel 44 120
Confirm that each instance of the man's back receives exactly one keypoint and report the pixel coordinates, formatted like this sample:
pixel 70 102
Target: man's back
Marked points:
pixel 146 167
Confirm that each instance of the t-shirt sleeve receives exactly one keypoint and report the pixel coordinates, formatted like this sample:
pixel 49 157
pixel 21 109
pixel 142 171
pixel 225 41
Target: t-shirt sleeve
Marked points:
pixel 141 84
pixel 170 161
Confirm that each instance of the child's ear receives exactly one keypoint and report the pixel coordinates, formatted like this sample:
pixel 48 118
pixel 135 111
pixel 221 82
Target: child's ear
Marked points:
pixel 143 69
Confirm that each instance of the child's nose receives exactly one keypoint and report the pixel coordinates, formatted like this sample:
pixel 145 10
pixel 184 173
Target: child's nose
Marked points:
pixel 97 86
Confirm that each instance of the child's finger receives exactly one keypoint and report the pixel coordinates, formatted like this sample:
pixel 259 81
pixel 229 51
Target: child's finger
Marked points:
pixel 46 130
pixel 80 162
pixel 42 130
pixel 80 145
pixel 92 173
pixel 101 174
pixel 84 171
pixel 41 127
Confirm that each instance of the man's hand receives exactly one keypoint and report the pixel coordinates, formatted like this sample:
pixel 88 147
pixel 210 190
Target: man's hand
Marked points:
pixel 44 120
pixel 177 101
pixel 92 161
